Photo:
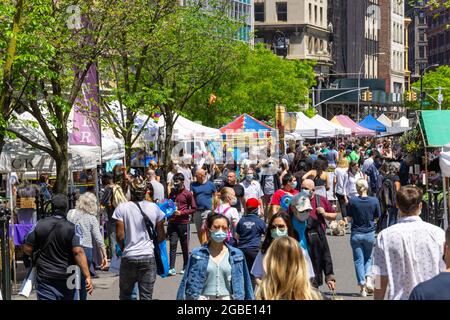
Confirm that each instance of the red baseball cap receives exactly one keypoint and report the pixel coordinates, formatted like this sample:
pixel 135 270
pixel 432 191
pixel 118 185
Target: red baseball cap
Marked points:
pixel 252 203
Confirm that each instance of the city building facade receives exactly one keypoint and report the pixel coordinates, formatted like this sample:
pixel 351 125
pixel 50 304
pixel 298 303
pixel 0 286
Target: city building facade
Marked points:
pixel 392 44
pixel 438 36
pixel 295 29
pixel 417 38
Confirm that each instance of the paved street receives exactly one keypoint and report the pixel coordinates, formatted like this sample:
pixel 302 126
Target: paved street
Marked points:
pixel 107 285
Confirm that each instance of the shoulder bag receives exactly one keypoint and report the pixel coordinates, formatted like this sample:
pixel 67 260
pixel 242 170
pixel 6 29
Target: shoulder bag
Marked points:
pixel 161 266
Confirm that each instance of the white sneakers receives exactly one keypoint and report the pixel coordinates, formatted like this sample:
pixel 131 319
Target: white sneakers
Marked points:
pixel 369 285
pixel 363 292
pixel 367 289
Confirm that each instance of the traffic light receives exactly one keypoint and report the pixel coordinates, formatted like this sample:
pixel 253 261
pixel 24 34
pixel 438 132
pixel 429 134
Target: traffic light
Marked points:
pixel 412 96
pixel 367 95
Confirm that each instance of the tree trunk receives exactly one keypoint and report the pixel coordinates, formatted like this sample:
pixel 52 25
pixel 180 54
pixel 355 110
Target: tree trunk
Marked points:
pixel 128 149
pixel 62 171
pixel 168 146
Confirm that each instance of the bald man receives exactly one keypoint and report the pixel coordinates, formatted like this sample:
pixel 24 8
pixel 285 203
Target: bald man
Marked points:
pixel 317 241
pixel 204 191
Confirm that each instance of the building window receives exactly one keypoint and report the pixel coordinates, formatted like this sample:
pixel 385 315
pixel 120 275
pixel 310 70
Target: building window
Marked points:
pixel 282 11
pixel 421 52
pixel 310 12
pixel 315 14
pixel 321 16
pixel 259 12
pixel 421 35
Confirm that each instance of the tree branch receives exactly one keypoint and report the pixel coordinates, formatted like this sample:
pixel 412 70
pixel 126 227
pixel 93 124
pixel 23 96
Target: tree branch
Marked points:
pixel 32 143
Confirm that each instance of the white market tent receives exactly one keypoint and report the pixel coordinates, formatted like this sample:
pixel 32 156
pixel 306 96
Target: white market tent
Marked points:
pixel 18 155
pixel 403 122
pixel 150 131
pixel 310 129
pixel 385 120
pixel 338 129
pixel 399 126
pixel 185 129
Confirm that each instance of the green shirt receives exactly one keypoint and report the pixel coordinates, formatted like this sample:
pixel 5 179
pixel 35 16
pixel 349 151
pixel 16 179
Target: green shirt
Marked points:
pixel 353 157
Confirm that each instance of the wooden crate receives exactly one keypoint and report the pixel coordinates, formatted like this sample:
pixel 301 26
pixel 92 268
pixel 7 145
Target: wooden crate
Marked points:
pixel 26 203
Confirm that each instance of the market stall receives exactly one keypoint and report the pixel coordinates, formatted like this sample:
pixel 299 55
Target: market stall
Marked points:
pixel 357 130
pixel 309 128
pixel 371 123
pixel 435 131
pixel 338 129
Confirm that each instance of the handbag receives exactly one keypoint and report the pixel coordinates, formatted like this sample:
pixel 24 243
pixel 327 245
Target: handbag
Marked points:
pixel 162 265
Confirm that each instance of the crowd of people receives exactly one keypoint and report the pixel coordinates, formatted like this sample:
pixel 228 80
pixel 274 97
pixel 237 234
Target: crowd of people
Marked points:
pixel 262 227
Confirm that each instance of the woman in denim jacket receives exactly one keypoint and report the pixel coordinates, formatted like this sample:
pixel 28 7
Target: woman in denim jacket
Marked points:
pixel 216 271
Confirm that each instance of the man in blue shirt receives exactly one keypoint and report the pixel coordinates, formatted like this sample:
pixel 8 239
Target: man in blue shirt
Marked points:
pixel 332 156
pixel 436 288
pixel 248 233
pixel 204 192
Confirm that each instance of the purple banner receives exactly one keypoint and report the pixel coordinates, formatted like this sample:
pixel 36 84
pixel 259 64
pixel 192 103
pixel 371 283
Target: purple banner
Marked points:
pixel 86 128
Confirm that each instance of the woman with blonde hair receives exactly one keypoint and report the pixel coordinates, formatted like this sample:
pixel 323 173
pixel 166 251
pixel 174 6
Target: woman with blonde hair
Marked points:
pixel 286 276
pixel 85 216
pixel 224 206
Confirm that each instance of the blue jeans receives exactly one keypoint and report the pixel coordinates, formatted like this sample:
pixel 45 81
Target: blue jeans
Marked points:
pixel 142 271
pixel 83 292
pixel 362 246
pixel 53 290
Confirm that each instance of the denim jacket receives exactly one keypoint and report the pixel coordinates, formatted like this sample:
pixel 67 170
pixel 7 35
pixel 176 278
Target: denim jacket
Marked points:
pixel 194 278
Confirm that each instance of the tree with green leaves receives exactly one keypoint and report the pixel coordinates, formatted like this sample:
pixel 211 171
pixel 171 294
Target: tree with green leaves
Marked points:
pixel 258 81
pixel 123 66
pixel 195 48
pixel 61 43
pixel 432 80
pixel 10 62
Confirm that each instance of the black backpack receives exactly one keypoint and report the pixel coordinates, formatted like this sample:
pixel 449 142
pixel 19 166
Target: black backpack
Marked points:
pixel 387 192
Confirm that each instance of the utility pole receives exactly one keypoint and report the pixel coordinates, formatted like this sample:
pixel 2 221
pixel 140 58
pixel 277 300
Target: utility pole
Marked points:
pixel 440 98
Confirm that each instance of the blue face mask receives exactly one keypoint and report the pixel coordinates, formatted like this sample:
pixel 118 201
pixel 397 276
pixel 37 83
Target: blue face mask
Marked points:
pixel 219 236
pixel 293 184
pixel 277 233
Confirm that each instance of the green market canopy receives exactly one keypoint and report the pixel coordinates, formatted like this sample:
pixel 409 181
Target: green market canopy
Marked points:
pixel 435 126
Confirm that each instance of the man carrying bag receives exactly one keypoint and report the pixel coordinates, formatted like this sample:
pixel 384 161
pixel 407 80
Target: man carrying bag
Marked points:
pixel 140 253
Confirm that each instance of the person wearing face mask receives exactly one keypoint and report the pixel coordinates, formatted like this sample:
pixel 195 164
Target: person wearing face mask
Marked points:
pixel 316 239
pixel 225 207
pixel 249 230
pixel 279 226
pixel 178 226
pixel 252 188
pixel 289 188
pixel 216 270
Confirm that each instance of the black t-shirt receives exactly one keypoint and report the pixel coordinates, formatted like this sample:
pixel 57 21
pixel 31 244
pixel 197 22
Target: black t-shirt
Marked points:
pixel 436 288
pixel 54 260
pixel 239 191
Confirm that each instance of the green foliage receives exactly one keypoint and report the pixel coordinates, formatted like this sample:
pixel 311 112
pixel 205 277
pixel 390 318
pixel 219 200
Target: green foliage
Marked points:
pixel 411 141
pixel 257 82
pixel 434 79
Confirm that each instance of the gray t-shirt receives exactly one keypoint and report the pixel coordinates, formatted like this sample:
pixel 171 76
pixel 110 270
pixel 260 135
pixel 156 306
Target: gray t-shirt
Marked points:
pixel 269 186
pixel 158 189
pixel 137 241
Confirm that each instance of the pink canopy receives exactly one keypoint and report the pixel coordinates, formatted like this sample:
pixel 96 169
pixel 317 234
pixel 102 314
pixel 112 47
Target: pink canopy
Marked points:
pixel 357 130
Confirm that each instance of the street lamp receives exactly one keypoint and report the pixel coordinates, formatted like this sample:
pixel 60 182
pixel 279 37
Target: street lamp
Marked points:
pixel 359 76
pixel 421 86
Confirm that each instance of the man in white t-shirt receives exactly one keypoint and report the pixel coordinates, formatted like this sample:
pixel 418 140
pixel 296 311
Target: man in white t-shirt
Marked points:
pixel 408 252
pixel 138 260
